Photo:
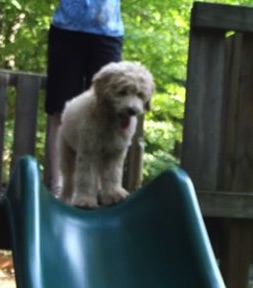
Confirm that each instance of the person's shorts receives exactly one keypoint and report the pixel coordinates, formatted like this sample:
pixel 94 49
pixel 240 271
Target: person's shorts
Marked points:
pixel 73 59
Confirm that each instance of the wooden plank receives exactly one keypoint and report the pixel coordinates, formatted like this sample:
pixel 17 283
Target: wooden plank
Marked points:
pixel 222 17
pixel 26 116
pixel 226 204
pixel 3 87
pixel 238 160
pixel 13 77
pixel 203 110
pixel 230 111
pixel 237 152
pixel 4 77
pixel 236 252
pixel 243 159
pixel 47 168
pixel 133 174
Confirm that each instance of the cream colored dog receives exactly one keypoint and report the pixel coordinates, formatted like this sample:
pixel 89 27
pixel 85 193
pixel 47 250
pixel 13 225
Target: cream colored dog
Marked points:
pixel 96 131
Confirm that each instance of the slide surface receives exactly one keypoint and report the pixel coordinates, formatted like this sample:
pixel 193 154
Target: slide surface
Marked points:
pixel 156 238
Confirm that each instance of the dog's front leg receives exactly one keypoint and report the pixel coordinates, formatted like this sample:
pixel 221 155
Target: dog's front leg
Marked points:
pixel 67 165
pixel 111 184
pixel 85 181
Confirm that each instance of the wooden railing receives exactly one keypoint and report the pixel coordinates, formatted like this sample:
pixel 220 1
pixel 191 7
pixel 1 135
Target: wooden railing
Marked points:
pixel 24 91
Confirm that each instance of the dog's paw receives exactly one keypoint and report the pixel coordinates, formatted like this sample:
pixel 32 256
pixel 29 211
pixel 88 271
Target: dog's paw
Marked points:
pixel 57 191
pixel 85 202
pixel 112 197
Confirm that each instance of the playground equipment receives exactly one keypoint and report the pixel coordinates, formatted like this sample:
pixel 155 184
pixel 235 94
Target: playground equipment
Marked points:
pixel 155 238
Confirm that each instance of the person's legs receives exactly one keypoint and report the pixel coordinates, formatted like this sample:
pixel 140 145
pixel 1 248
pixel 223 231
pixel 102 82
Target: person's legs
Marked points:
pixel 102 50
pixel 65 69
pixel 65 80
pixel 56 182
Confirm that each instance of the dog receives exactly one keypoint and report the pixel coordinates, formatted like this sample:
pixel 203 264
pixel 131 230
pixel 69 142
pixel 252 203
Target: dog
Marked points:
pixel 96 130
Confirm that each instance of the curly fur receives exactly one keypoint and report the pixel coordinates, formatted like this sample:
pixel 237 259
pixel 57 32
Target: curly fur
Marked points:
pixel 96 131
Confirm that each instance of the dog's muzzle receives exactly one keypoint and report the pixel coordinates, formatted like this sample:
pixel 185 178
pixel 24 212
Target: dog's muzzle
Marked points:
pixel 124 121
pixel 125 117
pixel 132 111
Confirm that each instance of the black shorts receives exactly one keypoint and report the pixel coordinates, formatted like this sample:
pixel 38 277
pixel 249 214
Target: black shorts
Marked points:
pixel 73 59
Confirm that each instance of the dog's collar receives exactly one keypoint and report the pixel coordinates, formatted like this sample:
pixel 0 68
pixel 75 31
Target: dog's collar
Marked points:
pixel 124 121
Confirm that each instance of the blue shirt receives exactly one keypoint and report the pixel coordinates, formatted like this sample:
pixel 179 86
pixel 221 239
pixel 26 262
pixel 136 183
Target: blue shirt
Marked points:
pixel 92 16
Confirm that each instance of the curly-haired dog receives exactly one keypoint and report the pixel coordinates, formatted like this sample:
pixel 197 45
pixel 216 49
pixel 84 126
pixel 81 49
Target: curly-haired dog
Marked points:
pixel 96 131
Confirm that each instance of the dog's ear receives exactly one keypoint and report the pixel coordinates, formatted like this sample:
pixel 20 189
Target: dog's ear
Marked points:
pixel 103 80
pixel 98 84
pixel 148 105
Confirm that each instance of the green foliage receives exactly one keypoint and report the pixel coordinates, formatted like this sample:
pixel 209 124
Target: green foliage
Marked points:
pixel 156 35
pixel 23 40
pixel 163 131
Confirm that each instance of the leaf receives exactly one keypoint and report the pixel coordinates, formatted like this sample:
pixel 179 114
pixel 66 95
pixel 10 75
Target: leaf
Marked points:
pixel 16 4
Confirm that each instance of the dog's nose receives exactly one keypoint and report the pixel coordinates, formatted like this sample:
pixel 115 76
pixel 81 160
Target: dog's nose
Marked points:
pixel 131 111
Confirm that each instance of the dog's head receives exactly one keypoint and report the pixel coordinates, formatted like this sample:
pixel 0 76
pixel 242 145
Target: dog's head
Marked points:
pixel 126 87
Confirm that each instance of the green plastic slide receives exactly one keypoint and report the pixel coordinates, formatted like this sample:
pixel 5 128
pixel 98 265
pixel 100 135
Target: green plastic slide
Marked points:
pixel 156 238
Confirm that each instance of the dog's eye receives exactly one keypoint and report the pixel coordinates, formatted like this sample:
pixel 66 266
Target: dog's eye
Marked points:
pixel 123 93
pixel 141 95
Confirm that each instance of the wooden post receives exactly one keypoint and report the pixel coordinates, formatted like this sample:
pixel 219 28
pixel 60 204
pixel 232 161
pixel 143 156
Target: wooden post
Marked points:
pixel 203 111
pixel 132 178
pixel 47 166
pixel 26 116
pixel 218 132
pixel 236 252
pixel 3 87
pixel 237 158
